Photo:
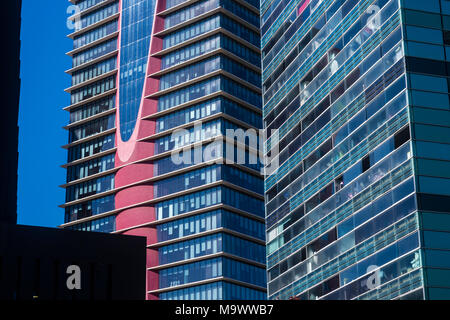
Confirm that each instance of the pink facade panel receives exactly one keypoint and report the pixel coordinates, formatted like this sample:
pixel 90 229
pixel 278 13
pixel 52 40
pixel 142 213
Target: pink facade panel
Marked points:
pixel 132 156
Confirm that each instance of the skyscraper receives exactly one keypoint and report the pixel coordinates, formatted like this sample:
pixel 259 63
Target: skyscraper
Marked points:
pixel 151 82
pixel 10 19
pixel 357 93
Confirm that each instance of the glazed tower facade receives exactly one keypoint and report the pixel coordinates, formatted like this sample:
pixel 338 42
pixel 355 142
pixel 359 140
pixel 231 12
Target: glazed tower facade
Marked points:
pixel 358 90
pixel 144 71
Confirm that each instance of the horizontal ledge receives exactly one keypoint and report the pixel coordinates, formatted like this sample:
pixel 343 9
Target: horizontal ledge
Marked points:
pixel 91 177
pixel 94 156
pixel 91 99
pixel 206 257
pixel 204 15
pixel 206 35
pixel 204 56
pixel 93 61
pixel 165 220
pixel 88 119
pixel 90 9
pixel 163 198
pixel 218 115
pixel 203 99
pixel 94 25
pixel 188 3
pixel 93 43
pixel 190 82
pixel 94 136
pixel 90 81
pixel 206 233
pixel 217 279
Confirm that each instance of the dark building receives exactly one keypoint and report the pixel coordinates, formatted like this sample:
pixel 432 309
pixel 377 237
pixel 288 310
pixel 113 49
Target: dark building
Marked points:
pixel 34 264
pixel 44 263
pixel 10 90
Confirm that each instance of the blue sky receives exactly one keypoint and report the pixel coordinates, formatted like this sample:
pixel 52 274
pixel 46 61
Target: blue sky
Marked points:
pixel 41 117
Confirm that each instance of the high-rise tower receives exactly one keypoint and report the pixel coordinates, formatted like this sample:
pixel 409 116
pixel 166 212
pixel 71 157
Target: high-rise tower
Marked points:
pixel 358 91
pixel 10 19
pixel 153 79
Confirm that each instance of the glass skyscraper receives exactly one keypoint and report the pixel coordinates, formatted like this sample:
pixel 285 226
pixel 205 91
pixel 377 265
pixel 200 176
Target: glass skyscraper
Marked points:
pixel 154 78
pixel 355 99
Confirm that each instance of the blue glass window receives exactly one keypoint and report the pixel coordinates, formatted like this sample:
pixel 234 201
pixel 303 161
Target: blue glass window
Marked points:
pixel 136 29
